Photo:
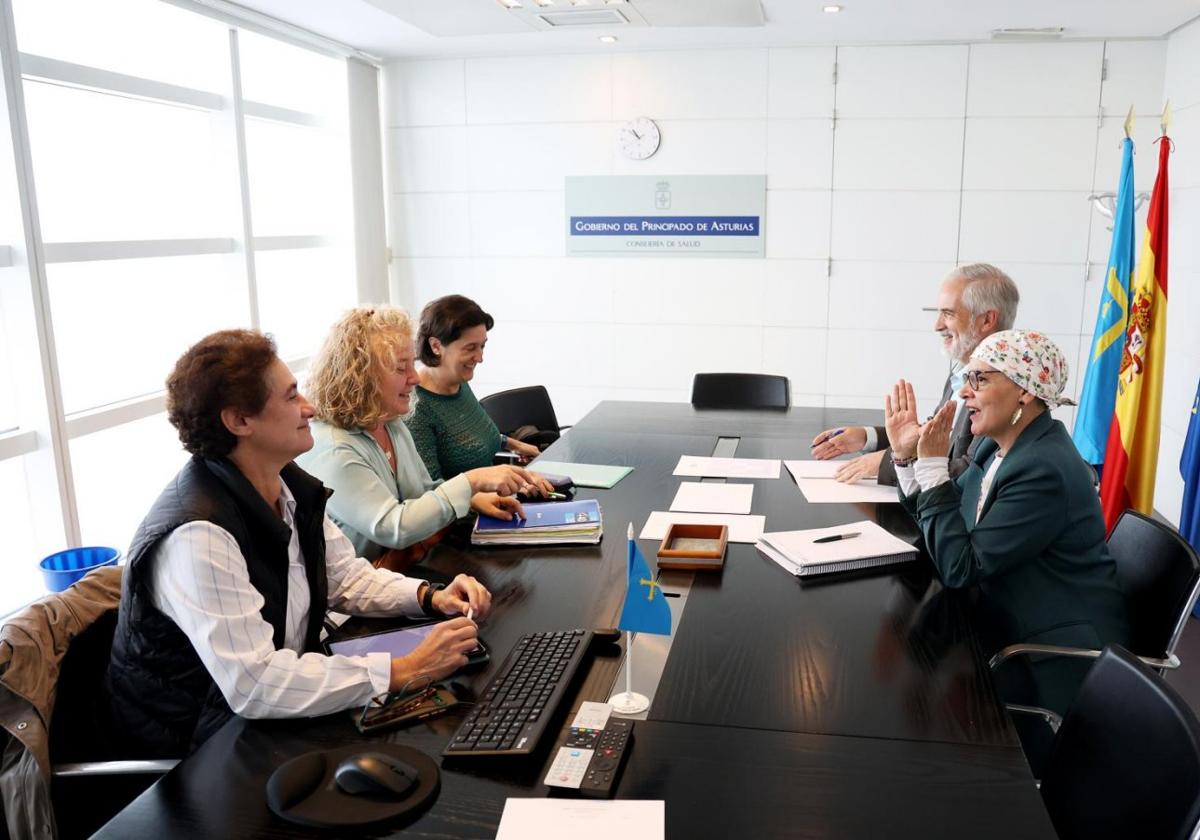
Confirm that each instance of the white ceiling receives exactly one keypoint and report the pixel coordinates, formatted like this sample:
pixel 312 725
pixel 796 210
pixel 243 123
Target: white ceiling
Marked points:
pixel 394 29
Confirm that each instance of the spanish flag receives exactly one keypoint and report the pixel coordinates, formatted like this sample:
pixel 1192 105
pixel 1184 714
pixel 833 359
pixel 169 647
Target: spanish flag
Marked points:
pixel 1131 457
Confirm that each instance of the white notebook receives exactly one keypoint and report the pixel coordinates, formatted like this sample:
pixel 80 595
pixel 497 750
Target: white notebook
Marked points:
pixel 799 552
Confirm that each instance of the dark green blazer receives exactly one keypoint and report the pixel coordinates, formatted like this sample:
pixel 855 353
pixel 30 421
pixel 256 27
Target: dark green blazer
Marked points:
pixel 1037 552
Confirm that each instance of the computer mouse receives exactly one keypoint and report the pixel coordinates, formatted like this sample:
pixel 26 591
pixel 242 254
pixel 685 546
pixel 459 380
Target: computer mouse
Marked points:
pixel 375 775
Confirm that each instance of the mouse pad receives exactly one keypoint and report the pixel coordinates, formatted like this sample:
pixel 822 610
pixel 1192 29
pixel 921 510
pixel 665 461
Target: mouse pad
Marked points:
pixel 303 789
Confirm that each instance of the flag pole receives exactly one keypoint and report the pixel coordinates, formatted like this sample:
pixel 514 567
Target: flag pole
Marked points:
pixel 629 702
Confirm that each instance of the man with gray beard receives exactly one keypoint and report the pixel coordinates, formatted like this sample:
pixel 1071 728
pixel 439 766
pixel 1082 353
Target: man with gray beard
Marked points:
pixel 974 301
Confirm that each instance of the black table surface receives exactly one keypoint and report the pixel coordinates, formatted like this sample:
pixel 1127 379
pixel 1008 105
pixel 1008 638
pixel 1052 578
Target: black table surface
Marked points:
pixel 857 707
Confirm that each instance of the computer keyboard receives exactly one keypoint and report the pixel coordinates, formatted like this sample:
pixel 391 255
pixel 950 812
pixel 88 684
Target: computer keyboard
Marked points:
pixel 516 707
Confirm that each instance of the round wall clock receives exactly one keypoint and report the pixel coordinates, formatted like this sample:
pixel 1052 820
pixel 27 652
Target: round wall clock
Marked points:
pixel 638 139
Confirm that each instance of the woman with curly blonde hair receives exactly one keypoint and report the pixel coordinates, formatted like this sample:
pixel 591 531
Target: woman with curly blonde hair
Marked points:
pixel 361 386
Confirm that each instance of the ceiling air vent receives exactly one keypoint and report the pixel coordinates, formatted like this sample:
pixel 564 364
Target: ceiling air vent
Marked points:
pixel 597 17
pixel 1043 33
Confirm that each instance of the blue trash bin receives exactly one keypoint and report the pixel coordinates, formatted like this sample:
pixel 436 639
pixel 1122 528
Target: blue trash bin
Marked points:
pixel 63 568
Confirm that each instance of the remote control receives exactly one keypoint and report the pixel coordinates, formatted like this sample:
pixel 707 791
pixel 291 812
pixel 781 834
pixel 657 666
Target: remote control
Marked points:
pixel 591 756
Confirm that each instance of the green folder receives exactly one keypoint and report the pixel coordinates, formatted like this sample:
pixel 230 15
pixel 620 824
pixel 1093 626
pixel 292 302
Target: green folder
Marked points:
pixel 584 475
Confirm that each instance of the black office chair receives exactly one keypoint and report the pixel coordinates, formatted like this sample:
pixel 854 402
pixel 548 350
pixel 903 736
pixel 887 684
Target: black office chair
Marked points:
pixel 1126 759
pixel 1159 573
pixel 740 390
pixel 525 414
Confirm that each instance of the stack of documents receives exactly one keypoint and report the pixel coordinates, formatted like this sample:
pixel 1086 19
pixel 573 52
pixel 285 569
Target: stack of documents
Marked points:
pixel 816 481
pixel 858 545
pixel 583 475
pixel 546 523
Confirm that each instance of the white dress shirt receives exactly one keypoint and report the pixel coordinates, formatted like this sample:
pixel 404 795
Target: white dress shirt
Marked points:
pixel 201 582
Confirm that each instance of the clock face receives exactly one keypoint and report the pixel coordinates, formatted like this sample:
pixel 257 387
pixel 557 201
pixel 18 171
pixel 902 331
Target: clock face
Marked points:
pixel 638 138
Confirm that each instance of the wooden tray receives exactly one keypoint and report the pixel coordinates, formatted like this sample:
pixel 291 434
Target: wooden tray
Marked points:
pixel 693 547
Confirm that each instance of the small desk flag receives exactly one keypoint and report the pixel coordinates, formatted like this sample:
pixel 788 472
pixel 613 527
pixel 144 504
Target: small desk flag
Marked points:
pixel 1094 415
pixel 645 609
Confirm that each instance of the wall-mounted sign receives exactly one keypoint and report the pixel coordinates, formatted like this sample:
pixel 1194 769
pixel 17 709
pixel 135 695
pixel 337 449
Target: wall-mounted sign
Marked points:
pixel 680 215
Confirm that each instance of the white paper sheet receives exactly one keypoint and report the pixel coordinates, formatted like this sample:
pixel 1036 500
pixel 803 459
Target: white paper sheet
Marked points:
pixel 704 467
pixel 713 498
pixel 800 548
pixel 555 819
pixel 813 469
pixel 819 490
pixel 742 529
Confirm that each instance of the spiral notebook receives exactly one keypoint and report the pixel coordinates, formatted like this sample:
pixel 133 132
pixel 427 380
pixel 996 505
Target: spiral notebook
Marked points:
pixel 861 545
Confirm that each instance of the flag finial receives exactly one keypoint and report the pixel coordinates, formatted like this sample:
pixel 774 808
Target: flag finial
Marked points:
pixel 1129 123
pixel 630 531
pixel 1165 123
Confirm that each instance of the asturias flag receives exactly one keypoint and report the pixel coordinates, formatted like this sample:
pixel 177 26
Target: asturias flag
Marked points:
pixel 645 609
pixel 1095 411
pixel 1131 459
pixel 1189 468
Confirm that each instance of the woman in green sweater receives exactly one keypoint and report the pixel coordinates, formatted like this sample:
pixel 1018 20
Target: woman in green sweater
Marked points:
pixel 452 432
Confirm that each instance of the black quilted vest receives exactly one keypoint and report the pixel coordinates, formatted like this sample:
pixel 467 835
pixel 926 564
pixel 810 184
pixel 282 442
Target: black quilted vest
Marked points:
pixel 164 703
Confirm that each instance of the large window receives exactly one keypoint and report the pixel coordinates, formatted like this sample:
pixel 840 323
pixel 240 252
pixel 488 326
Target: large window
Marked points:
pixel 188 175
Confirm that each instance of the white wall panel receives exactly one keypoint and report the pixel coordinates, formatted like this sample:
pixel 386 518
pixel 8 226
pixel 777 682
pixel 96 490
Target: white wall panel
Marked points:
pixel 1185 165
pixel 546 289
pixel 429 225
pixel 1035 80
pixel 1021 153
pixel 700 147
pixel 800 82
pixel 867 363
pixel 1184 221
pixel 897 226
pixel 797 224
pixel 509 352
pixel 898 154
pixel 1051 297
pixel 799 154
pixel 1183 67
pixel 544 88
pixel 689 291
pixel 797 293
pixel 432 159
pixel 416 281
pixel 1168 483
pixel 700 84
pixel 682 352
pixel 1005 227
pixel 798 354
pixel 1136 71
pixel 925 81
pixel 425 93
pixel 518 224
pixel 536 156
pixel 884 295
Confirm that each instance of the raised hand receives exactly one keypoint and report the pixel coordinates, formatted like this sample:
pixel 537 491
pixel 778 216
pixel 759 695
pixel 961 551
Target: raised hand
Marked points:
pixel 934 440
pixel 900 413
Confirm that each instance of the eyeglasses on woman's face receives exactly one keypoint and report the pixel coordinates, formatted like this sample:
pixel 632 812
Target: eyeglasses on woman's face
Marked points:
pixel 978 378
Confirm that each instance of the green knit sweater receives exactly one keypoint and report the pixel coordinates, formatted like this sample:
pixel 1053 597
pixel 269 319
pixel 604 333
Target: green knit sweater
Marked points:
pixel 453 434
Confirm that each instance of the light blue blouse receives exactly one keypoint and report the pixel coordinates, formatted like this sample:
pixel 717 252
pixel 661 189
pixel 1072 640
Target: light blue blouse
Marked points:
pixel 377 508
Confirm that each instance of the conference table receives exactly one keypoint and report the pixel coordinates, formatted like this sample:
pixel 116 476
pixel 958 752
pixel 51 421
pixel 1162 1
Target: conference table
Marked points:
pixel 860 706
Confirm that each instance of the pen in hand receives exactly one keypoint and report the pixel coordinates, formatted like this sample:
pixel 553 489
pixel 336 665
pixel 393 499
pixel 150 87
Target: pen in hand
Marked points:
pixel 828 437
pixel 836 537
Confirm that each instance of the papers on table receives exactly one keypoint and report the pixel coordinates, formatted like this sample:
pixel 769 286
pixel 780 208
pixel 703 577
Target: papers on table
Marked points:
pixel 713 498
pixel 584 475
pixel 702 467
pixel 799 553
pixel 816 481
pixel 742 529
pixel 554 819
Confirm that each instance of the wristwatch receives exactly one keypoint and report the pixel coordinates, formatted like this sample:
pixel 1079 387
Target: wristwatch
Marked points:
pixel 427 600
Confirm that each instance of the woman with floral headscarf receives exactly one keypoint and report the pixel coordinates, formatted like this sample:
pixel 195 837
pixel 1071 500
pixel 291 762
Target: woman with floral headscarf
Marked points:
pixel 1023 522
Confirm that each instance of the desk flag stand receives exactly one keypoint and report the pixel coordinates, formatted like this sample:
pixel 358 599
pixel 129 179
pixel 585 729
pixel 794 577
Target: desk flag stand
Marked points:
pixel 649 614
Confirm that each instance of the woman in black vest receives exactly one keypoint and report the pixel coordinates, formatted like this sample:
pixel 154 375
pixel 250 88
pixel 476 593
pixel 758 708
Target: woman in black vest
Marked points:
pixel 229 576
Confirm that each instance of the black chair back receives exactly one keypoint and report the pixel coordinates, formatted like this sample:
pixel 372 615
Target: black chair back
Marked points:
pixel 1126 760
pixel 528 409
pixel 1159 573
pixel 740 390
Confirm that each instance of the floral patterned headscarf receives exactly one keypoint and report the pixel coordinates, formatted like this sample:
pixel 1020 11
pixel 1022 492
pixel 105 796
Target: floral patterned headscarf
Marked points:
pixel 1029 359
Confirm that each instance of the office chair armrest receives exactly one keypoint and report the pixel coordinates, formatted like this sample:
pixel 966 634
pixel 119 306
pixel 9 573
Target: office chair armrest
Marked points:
pixel 1170 663
pixel 157 767
pixel 1052 718
pixel 564 428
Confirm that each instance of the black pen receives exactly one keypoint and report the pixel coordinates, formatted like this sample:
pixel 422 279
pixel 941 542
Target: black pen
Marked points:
pixel 836 537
